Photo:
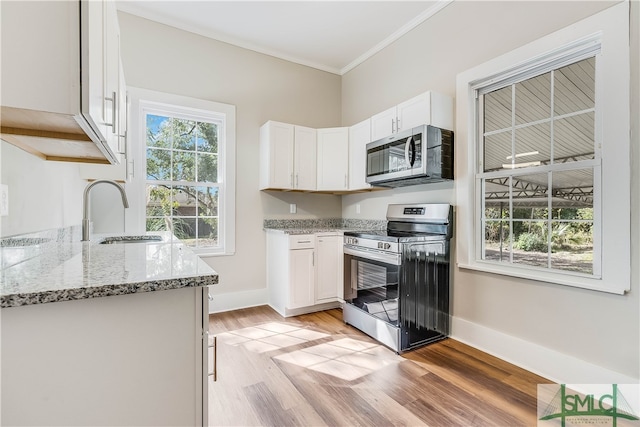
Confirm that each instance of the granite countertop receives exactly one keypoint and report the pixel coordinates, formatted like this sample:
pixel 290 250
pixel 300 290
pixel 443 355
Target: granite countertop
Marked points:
pixel 313 226
pixel 301 230
pixel 56 266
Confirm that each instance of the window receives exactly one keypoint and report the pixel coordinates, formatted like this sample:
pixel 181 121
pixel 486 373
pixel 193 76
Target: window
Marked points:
pixel 187 147
pixel 538 170
pixel 542 161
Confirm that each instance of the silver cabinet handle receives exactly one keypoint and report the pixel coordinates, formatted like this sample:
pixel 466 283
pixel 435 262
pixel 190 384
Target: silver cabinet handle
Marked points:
pixel 345 180
pixel 304 241
pixel 114 100
pixel 297 181
pixel 214 362
pixel 215 358
pixel 313 259
pixel 393 124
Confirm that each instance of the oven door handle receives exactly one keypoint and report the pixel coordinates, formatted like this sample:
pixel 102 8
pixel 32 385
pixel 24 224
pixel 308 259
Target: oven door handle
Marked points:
pixel 373 256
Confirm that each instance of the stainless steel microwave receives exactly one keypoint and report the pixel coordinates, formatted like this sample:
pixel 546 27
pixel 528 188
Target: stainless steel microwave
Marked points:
pixel 414 156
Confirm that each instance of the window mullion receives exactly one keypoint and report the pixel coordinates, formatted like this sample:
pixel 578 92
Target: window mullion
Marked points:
pixel 510 220
pixel 550 173
pixel 513 159
pixel 549 216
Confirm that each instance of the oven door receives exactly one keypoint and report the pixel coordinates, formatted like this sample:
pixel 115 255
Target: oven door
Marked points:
pixel 371 282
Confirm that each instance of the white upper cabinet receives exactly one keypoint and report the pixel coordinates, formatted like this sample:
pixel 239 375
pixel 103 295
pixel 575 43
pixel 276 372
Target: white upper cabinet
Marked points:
pixel 50 108
pixel 287 157
pixel 121 171
pixel 383 124
pixel 333 159
pixel 111 94
pixel 276 155
pixel 359 137
pixel 429 108
pixel 304 158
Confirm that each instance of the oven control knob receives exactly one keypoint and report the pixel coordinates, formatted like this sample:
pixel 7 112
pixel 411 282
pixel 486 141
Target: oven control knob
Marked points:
pixel 352 241
pixel 385 246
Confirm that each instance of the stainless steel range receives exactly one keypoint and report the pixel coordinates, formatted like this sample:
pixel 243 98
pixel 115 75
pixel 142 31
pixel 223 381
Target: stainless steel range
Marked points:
pixel 396 281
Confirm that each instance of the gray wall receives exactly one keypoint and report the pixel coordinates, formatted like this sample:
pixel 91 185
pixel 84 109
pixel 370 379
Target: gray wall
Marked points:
pixel 592 326
pixel 599 328
pixel 262 88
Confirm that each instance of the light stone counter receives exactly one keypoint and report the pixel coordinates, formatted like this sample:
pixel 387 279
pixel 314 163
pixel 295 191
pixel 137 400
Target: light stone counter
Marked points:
pixel 314 226
pixel 56 266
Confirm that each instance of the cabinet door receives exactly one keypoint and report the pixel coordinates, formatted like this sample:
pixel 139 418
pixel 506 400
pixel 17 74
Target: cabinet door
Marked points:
pixel 383 124
pixel 333 159
pixel 123 112
pixel 276 155
pixel 92 34
pixel 304 163
pixel 329 268
pixel 414 112
pixel 302 278
pixel 111 93
pixel 40 60
pixel 359 137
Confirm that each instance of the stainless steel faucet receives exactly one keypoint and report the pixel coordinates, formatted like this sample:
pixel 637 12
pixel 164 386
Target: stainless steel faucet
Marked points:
pixel 86 224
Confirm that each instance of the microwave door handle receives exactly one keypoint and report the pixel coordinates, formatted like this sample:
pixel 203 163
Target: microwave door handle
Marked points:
pixel 407 146
pixel 413 152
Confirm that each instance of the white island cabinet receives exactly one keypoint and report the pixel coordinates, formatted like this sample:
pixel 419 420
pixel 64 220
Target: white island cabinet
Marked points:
pixel 104 335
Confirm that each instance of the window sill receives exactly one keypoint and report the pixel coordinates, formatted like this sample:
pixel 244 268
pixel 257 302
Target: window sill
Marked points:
pixel 590 283
pixel 203 253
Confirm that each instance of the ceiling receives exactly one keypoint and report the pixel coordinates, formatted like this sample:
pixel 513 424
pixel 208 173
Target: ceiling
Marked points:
pixel 333 36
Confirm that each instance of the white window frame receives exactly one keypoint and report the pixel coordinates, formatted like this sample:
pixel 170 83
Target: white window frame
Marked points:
pixel 605 35
pixel 145 101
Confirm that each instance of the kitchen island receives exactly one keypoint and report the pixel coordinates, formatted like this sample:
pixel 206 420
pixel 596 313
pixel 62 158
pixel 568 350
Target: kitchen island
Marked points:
pixel 103 334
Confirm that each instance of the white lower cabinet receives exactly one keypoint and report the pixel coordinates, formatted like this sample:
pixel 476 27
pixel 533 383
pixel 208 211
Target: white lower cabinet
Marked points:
pixel 304 272
pixel 329 270
pixel 301 276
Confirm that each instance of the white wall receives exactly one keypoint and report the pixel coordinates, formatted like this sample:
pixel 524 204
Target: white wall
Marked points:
pixel 42 194
pixel 262 88
pixel 575 324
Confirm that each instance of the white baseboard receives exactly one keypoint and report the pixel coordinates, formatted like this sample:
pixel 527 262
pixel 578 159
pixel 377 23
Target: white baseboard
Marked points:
pixel 238 300
pixel 290 312
pixel 548 363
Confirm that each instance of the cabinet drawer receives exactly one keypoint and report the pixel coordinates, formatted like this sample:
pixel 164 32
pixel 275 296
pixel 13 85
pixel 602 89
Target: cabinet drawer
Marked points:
pixel 302 241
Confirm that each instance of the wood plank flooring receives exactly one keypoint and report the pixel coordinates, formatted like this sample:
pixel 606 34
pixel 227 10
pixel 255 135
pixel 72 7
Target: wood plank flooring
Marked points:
pixel 313 370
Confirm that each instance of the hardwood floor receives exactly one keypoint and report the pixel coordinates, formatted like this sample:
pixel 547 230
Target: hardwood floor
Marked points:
pixel 313 370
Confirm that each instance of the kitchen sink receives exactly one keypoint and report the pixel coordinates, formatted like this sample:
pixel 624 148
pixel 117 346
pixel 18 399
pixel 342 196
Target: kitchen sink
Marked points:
pixel 131 239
